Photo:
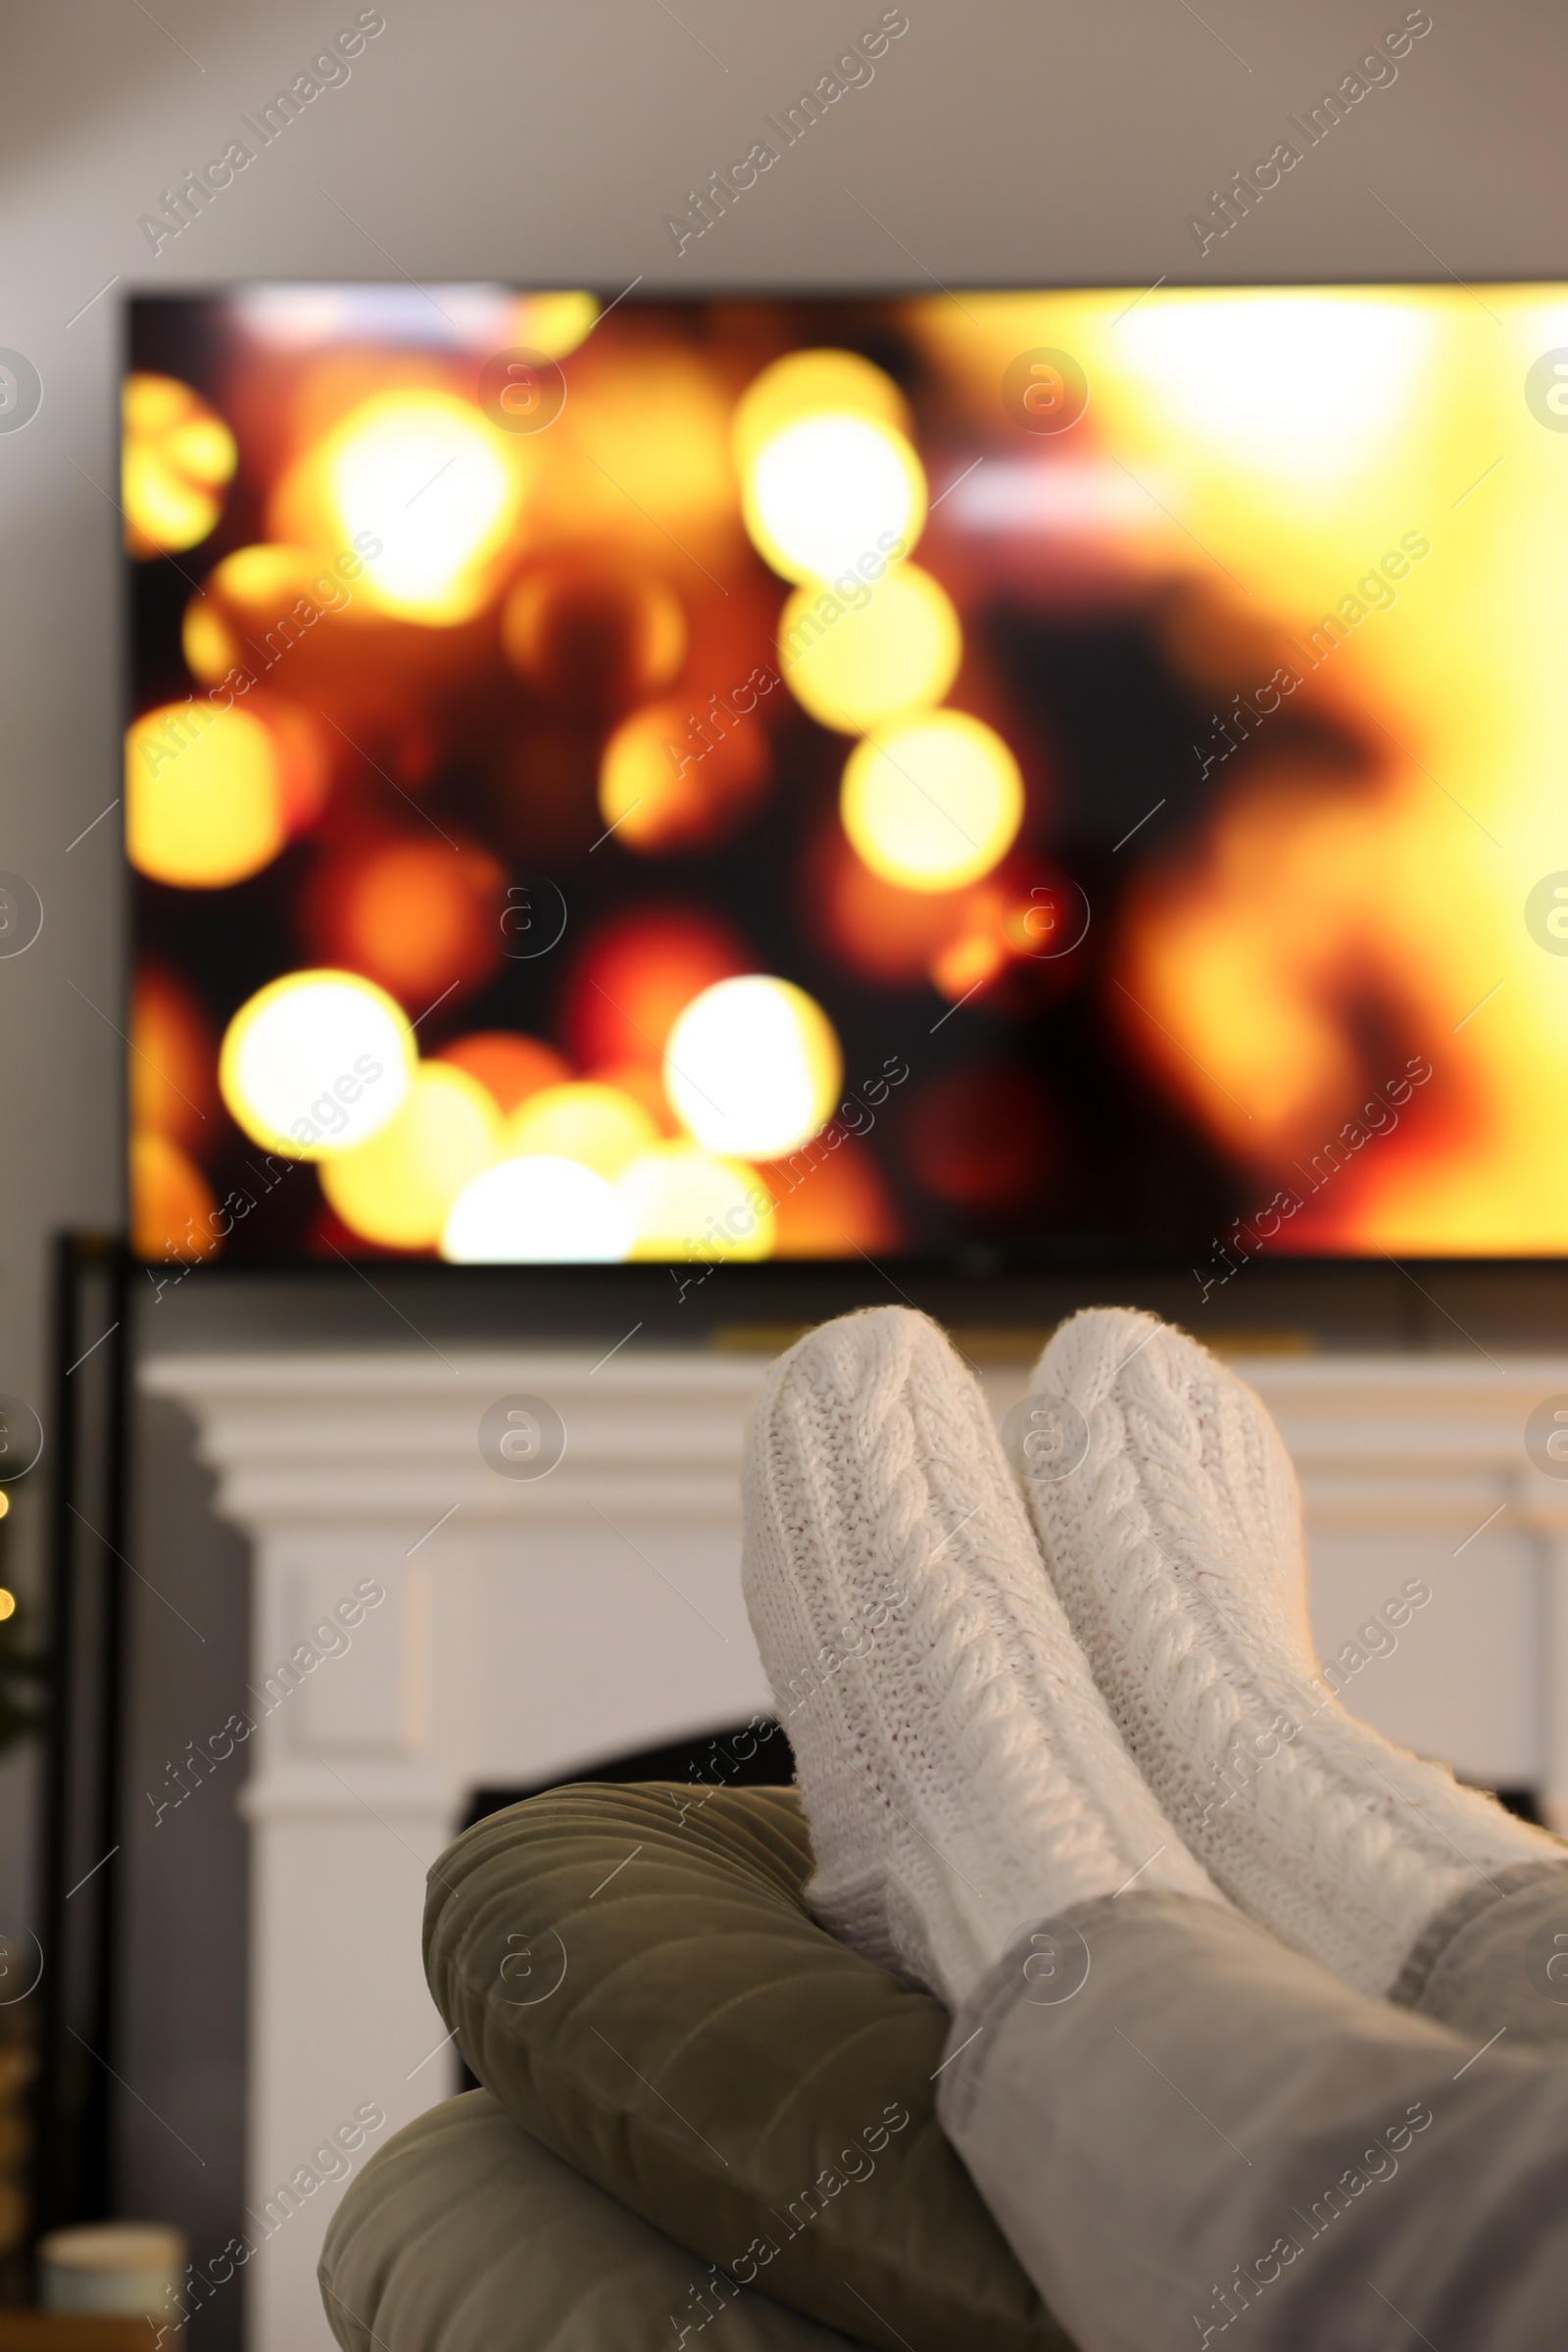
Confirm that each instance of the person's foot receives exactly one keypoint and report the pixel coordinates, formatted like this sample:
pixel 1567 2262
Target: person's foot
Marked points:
pixel 959 1770
pixel 1175 1545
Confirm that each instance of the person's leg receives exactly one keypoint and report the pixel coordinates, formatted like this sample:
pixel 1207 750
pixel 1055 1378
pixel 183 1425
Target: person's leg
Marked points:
pixel 1203 2105
pixel 1171 1527
pixel 1183 2127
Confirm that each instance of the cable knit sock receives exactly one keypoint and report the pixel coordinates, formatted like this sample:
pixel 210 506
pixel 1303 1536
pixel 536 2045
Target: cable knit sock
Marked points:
pixel 959 1770
pixel 1175 1545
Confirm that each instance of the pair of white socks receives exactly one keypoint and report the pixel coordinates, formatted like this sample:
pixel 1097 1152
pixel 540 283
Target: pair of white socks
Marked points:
pixel 993 1721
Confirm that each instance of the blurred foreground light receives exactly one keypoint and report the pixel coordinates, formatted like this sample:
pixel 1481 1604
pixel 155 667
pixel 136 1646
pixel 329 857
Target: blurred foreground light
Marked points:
pixel 399 1187
pixel 315 1063
pixel 752 1066
pixel 806 383
pixel 932 803
pixel 538 1212
pixel 204 795
pixel 596 1125
pixel 831 489
pixel 178 456
pixel 855 656
pixel 423 476
pixel 8 1600
pixel 687 1202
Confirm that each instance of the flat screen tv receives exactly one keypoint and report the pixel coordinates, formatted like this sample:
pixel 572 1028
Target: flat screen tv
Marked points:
pixel 1078 774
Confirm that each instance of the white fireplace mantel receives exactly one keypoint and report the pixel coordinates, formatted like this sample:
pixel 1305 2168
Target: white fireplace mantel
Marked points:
pixel 532 1627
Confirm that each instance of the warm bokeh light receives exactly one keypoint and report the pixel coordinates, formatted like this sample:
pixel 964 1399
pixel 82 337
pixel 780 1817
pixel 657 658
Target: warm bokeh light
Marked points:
pixel 257 605
pixel 419 917
pixel 399 1187
pixel 644 1081
pixel 830 491
pixel 172 1204
pixel 554 323
pixel 509 1066
pixel 832 1206
pixel 808 383
pixel 856 658
pixel 423 473
pixel 1262 654
pixel 538 1212
pixel 177 459
pixel 752 1066
pixel 932 801
pixel 686 1203
pixel 316 1062
pixel 663 791
pixel 204 795
pixel 173 1058
pixel 594 634
pixel 636 972
pixel 598 1126
pixel 1311 385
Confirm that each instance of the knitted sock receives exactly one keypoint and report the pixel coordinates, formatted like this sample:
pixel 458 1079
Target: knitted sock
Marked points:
pixel 1176 1547
pixel 959 1770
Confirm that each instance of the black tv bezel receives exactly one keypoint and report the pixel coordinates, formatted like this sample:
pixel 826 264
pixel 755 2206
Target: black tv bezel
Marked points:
pixel 979 1269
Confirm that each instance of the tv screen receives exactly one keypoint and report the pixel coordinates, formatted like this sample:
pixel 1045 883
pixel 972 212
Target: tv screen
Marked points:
pixel 1072 772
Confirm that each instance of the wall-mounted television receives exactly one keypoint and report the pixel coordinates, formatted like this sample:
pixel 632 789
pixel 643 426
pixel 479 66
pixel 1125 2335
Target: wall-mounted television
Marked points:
pixel 1081 773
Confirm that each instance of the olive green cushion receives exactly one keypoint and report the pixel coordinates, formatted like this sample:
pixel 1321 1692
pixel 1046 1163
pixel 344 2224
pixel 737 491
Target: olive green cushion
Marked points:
pixel 633 1973
pixel 462 2235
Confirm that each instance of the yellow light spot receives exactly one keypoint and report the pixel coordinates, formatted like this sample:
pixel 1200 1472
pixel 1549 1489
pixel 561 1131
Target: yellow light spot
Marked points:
pixel 686 1203
pixel 891 647
pixel 316 1062
pixel 204 805
pixel 805 383
pixel 399 1187
pixel 829 490
pixel 8 1600
pixel 177 457
pixel 555 322
pixel 541 1210
pixel 932 803
pixel 5 1505
pixel 752 1066
pixel 209 647
pixel 422 474
pixel 598 1126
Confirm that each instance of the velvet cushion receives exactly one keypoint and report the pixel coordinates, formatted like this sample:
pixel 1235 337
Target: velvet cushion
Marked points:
pixel 633 1974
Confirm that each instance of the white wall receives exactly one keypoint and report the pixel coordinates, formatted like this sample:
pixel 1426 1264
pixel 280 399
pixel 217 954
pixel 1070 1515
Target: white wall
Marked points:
pixel 1010 140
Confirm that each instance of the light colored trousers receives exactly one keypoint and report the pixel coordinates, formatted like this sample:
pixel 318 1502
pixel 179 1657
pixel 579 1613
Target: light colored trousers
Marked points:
pixel 1186 2129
